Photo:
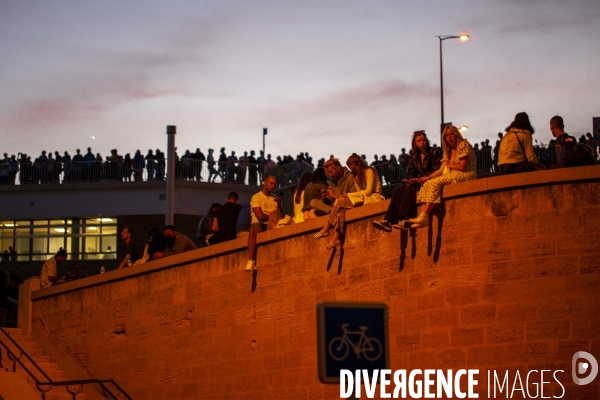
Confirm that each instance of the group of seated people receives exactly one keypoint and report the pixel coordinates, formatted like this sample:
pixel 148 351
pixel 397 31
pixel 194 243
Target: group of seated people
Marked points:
pixel 332 189
pixel 159 244
pixel 412 202
pixel 357 183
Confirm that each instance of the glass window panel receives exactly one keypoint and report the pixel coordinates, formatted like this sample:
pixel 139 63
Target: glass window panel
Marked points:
pixel 68 244
pixel 23 223
pixel 57 230
pixel 38 257
pixel 94 256
pixel 6 232
pixel 92 244
pixel 57 222
pixel 4 243
pixel 110 241
pixel 22 246
pixel 40 245
pixel 22 231
pixel 23 258
pixel 92 230
pixel 56 243
pixel 109 230
pixel 40 231
pixel 7 223
pixel 40 222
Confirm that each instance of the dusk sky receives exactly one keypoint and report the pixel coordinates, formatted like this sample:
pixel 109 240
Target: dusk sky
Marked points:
pixel 327 77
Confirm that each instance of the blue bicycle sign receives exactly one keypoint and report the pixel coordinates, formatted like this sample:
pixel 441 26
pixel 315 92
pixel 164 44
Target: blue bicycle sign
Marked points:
pixel 351 336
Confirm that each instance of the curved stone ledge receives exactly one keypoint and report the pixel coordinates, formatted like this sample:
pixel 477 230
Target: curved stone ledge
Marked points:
pixel 507 278
pixel 464 189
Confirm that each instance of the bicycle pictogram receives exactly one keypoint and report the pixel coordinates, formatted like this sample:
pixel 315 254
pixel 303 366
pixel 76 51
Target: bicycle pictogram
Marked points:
pixel 369 347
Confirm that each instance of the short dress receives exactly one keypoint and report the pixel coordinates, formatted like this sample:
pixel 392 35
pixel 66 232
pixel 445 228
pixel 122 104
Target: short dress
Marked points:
pixel 431 191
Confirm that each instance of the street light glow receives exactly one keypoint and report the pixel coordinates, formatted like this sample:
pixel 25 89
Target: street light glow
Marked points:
pixel 463 128
pixel 464 37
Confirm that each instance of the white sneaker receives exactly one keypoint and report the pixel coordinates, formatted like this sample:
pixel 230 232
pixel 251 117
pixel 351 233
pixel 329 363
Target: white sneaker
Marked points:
pixel 422 221
pixel 250 266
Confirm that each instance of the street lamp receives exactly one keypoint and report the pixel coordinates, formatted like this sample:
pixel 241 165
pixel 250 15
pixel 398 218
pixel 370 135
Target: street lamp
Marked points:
pixel 463 128
pixel 462 37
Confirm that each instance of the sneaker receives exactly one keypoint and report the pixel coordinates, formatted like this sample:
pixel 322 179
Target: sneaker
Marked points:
pixel 384 225
pixel 422 221
pixel 250 266
pixel 402 224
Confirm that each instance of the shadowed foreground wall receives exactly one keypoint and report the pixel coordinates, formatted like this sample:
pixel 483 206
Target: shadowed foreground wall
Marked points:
pixel 509 280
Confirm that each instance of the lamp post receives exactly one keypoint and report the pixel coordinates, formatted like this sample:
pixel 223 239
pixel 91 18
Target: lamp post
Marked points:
pixel 462 37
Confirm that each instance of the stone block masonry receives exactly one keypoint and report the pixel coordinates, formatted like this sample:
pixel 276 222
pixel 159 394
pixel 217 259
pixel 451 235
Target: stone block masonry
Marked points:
pixel 507 278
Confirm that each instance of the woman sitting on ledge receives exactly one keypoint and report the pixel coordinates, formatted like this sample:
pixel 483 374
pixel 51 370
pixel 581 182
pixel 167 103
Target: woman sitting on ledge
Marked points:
pixel 368 190
pixel 516 148
pixel 458 165
pixel 424 161
pixel 313 192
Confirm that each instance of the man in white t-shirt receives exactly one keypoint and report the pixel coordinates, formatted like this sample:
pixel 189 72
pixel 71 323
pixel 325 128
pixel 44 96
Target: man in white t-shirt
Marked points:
pixel 265 212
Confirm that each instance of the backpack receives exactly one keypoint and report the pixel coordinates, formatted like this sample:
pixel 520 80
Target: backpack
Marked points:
pixel 579 155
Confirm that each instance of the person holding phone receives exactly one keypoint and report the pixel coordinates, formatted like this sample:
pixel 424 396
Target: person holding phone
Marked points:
pixel 265 212
pixel 367 185
pixel 424 161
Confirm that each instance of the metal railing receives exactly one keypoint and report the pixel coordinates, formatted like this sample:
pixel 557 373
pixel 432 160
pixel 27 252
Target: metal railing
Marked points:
pixel 45 387
pixel 187 169
pixel 53 172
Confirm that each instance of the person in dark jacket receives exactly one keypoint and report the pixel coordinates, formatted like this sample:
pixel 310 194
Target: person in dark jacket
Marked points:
pixel 424 161
pixel 225 219
pixel 342 181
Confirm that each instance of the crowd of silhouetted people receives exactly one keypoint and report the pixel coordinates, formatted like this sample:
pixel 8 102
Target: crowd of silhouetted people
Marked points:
pixel 248 168
pixel 51 167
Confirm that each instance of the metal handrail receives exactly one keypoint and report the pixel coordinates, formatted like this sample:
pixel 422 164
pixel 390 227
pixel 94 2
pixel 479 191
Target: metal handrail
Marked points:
pixel 50 383
pixel 61 172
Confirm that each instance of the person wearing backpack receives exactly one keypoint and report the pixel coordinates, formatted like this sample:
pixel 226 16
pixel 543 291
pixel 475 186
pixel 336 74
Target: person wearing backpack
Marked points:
pixel 568 152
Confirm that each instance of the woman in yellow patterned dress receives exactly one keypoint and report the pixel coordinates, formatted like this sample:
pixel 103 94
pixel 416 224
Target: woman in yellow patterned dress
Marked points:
pixel 459 164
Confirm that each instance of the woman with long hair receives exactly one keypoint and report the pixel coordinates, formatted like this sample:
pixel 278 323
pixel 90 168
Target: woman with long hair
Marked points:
pixel 299 196
pixel 458 165
pixel 313 192
pixel 516 148
pixel 368 190
pixel 424 161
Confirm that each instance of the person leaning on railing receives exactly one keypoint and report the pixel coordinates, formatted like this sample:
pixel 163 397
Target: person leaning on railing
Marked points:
pixel 424 161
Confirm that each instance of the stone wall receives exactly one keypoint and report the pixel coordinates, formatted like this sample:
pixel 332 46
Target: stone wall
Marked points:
pixel 507 278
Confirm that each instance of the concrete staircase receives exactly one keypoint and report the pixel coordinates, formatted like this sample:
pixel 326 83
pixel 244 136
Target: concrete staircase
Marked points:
pixel 44 362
